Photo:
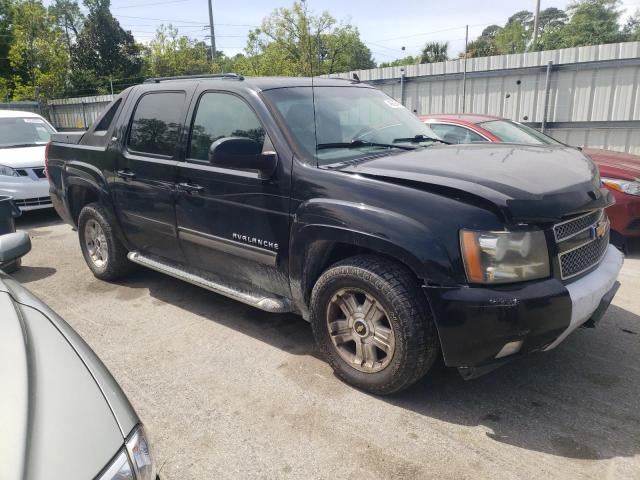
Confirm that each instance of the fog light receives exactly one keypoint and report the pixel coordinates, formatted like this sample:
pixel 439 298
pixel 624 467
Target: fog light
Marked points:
pixel 510 348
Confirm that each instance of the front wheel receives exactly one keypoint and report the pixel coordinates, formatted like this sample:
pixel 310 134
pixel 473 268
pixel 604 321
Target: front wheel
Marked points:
pixel 372 322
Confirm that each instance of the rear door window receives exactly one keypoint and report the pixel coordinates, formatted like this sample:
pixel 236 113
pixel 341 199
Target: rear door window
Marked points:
pixel 156 123
pixel 221 115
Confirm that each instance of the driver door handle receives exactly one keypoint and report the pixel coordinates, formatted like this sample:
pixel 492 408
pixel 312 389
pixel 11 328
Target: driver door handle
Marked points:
pixel 190 187
pixel 126 174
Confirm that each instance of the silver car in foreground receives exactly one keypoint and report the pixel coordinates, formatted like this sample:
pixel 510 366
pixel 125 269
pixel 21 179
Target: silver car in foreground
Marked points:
pixel 62 415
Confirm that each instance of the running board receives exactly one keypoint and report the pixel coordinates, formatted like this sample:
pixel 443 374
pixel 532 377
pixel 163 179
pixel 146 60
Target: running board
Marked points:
pixel 268 303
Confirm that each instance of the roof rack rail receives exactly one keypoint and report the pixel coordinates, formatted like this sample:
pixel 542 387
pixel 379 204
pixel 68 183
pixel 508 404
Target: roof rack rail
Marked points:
pixel 234 76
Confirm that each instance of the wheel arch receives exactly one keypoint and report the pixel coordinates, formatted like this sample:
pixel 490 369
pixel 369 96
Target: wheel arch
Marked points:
pixel 324 232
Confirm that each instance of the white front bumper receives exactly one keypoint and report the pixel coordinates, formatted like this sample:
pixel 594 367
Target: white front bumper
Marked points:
pixel 587 292
pixel 24 188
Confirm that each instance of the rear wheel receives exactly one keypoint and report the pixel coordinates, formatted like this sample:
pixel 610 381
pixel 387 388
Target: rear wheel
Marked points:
pixel 103 252
pixel 373 324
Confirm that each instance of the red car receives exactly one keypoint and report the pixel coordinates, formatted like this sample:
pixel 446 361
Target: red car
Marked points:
pixel 620 171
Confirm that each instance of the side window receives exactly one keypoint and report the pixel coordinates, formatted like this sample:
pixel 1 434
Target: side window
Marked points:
pixel 455 134
pixel 156 123
pixel 105 123
pixel 221 115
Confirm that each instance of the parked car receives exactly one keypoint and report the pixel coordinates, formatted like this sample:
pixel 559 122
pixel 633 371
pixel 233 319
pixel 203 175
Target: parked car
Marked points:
pixel 620 171
pixel 23 139
pixel 329 199
pixel 62 413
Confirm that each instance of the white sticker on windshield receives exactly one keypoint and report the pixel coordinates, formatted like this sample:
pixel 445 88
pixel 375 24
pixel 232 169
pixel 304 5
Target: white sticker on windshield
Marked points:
pixel 33 120
pixel 392 103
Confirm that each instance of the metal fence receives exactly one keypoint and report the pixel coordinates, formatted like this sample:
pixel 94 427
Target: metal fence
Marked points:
pixel 76 113
pixel 586 96
pixel 22 106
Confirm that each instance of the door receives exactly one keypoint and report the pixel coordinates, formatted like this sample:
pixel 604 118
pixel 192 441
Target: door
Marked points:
pixel 145 173
pixel 233 223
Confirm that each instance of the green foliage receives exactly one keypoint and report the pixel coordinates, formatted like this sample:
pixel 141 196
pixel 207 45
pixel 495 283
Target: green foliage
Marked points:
pixel 632 27
pixel 6 39
pixel 103 47
pixel 434 52
pixel 172 54
pixel 39 67
pixel 586 22
pixel 401 62
pixel 67 16
pixel 592 22
pixel 294 41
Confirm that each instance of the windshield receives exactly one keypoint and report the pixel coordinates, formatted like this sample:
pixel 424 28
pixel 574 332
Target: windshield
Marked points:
pixel 517 133
pixel 350 122
pixel 24 132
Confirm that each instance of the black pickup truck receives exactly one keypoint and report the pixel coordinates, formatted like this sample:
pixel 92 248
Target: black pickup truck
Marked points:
pixel 329 199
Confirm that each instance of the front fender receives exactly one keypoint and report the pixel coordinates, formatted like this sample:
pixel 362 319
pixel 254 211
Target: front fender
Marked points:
pixel 320 223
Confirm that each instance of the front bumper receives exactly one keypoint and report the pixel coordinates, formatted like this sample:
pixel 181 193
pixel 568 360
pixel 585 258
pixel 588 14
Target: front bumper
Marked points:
pixel 475 324
pixel 28 194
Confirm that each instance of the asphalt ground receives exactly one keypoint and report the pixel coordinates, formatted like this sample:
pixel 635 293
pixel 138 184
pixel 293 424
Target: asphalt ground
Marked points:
pixel 228 391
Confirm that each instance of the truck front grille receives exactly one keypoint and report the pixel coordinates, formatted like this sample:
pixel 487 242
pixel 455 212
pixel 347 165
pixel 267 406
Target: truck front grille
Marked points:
pixel 572 227
pixel 33 202
pixel 574 260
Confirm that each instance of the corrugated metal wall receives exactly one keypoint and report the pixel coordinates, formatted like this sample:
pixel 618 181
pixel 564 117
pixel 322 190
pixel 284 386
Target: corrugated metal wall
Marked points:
pixel 597 84
pixel 77 113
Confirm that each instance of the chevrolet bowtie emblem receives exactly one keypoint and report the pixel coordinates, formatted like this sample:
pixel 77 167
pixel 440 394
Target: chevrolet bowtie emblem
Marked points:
pixel 601 228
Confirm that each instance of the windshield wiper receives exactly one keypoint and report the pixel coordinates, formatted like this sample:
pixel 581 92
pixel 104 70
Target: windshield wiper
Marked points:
pixel 421 138
pixel 359 144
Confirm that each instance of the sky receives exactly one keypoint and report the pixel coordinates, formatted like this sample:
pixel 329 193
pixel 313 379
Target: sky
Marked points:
pixel 385 26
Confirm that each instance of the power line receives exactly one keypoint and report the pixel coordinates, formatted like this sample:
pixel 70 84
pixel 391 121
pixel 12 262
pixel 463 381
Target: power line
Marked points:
pixel 149 4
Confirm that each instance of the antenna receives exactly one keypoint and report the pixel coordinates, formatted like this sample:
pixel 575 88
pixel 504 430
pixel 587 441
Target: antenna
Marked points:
pixel 313 90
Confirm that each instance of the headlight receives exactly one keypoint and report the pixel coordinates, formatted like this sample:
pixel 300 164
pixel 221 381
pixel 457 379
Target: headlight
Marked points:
pixel 133 462
pixel 8 171
pixel 504 257
pixel 140 455
pixel 626 186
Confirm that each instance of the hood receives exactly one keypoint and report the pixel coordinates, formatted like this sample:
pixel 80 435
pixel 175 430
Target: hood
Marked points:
pixel 615 164
pixel 22 157
pixel 56 418
pixel 526 183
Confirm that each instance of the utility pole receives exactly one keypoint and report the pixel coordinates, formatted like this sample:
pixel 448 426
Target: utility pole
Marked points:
pixel 464 73
pixel 212 33
pixel 535 23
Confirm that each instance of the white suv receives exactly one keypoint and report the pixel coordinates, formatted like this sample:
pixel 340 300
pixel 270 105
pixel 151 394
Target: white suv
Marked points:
pixel 23 139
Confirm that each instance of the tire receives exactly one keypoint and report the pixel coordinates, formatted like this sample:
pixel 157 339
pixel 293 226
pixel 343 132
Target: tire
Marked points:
pixel 105 254
pixel 414 346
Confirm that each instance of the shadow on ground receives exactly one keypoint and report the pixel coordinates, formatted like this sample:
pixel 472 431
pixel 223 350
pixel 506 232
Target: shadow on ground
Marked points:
pixel 579 401
pixel 46 217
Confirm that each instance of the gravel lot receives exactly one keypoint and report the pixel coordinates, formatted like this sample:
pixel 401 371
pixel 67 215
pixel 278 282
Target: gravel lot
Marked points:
pixel 227 391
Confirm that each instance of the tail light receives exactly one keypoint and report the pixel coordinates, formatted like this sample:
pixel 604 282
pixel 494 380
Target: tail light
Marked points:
pixel 46 160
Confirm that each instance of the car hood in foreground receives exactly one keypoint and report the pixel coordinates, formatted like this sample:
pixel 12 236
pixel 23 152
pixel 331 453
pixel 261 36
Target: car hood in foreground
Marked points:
pixel 526 183
pixel 22 157
pixel 61 413
pixel 615 164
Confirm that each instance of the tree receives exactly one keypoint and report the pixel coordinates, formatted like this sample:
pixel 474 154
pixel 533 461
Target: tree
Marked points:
pixel 104 49
pixel 592 22
pixel 67 15
pixel 632 28
pixel 172 54
pixel 39 67
pixel 434 52
pixel 513 38
pixel 401 62
pixel 482 47
pixel 294 41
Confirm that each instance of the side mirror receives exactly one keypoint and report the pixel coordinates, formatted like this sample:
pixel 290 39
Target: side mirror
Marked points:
pixel 14 246
pixel 240 153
